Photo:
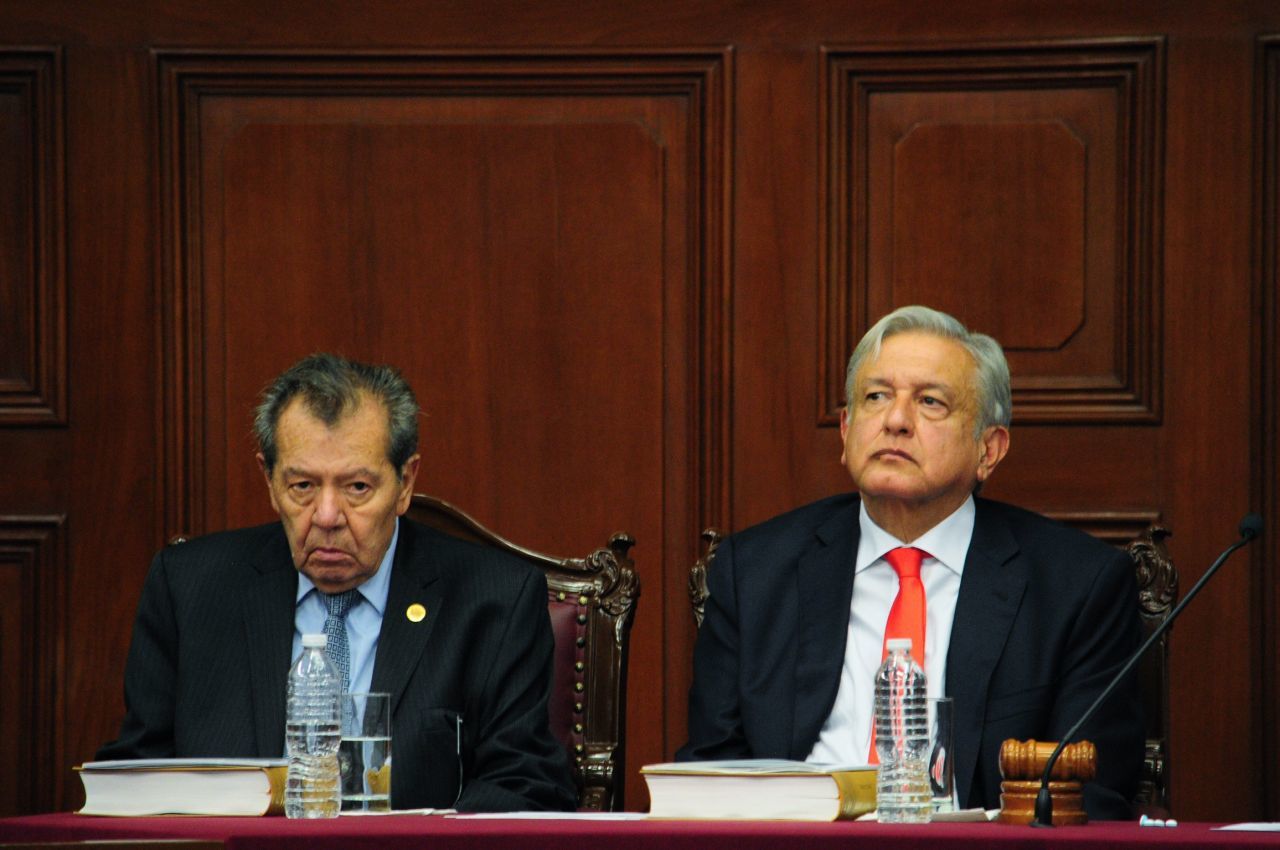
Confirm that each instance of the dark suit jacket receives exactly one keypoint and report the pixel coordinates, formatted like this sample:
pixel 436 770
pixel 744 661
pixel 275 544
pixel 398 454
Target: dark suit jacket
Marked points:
pixel 1045 616
pixel 207 670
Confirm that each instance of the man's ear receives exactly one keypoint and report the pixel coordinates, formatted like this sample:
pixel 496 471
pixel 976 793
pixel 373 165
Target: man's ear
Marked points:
pixel 844 434
pixel 266 474
pixel 408 475
pixel 993 446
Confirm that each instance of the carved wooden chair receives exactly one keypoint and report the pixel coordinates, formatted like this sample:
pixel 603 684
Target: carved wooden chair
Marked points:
pixel 1157 593
pixel 591 601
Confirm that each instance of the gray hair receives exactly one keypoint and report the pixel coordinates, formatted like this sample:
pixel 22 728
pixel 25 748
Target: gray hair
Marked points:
pixel 330 386
pixel 991 371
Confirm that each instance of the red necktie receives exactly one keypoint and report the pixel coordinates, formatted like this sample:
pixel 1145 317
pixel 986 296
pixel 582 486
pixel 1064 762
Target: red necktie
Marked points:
pixel 907 615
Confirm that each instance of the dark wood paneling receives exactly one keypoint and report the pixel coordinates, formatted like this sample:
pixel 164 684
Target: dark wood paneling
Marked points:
pixel 33 384
pixel 1265 414
pixel 1203 457
pixel 530 239
pixel 33 573
pixel 1016 186
pixel 957 184
pixel 1139 388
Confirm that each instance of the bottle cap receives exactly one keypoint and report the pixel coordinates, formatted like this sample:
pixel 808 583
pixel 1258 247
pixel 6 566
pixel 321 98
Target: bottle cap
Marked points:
pixel 319 641
pixel 894 644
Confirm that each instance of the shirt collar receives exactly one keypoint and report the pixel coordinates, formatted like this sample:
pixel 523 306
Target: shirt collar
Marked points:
pixel 374 590
pixel 947 542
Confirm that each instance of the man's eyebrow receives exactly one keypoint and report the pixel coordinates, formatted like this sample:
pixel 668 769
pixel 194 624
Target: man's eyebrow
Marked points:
pixel 358 472
pixel 927 386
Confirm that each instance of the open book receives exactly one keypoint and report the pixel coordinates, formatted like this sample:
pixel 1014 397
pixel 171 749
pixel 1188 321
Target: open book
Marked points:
pixel 139 787
pixel 760 789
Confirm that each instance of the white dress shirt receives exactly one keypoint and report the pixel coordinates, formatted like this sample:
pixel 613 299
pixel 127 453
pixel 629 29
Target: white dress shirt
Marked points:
pixel 846 735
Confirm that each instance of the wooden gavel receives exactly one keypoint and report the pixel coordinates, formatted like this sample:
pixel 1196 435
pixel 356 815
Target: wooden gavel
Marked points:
pixel 1026 760
pixel 1022 765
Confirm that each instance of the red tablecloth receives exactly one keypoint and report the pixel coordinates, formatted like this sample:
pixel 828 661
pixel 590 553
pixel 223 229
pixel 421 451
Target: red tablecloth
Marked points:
pixel 442 833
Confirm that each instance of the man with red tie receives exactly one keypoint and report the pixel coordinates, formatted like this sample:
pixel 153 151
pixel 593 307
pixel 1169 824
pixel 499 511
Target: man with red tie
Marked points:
pixel 1022 621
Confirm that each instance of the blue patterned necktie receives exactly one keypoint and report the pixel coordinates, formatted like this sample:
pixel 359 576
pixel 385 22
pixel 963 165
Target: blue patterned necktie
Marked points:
pixel 335 629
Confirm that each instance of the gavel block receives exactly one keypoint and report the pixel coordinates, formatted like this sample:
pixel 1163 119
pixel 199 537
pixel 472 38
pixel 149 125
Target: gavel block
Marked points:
pixel 1021 766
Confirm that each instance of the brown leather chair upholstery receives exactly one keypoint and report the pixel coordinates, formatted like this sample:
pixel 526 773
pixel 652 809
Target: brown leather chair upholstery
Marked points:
pixel 1157 593
pixel 591 601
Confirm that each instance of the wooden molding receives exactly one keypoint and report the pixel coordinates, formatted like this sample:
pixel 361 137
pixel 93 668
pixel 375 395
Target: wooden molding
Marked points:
pixel 1093 105
pixel 1119 528
pixel 32 245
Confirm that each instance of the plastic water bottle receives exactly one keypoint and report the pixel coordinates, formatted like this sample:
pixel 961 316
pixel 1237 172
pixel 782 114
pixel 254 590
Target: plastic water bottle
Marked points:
pixel 902 738
pixel 312 733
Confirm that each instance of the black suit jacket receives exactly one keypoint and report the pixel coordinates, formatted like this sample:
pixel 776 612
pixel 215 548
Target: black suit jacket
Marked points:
pixel 1046 615
pixel 208 666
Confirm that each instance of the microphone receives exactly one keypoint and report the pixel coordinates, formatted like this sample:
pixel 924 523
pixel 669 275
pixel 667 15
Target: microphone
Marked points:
pixel 1250 527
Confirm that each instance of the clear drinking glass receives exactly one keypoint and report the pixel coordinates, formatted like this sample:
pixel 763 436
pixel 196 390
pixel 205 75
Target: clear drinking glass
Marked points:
pixel 941 769
pixel 364 757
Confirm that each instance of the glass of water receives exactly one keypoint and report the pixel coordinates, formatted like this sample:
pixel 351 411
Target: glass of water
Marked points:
pixel 364 757
pixel 942 723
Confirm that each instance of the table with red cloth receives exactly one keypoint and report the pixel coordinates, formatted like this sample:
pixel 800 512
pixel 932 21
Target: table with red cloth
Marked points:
pixel 444 833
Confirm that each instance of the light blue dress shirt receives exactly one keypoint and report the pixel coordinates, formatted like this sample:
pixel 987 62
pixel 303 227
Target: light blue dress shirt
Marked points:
pixel 364 619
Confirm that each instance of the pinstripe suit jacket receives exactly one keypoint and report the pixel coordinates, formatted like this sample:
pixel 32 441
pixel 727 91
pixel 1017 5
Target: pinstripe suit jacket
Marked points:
pixel 207 670
pixel 1045 617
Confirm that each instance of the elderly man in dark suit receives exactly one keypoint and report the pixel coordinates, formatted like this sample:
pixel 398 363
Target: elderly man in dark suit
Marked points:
pixel 456 633
pixel 1023 620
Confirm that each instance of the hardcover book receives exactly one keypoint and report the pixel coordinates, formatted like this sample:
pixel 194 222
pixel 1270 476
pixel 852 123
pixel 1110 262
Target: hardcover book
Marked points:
pixel 760 789
pixel 140 787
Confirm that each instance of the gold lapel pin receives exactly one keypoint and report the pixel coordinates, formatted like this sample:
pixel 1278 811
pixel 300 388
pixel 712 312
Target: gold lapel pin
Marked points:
pixel 416 613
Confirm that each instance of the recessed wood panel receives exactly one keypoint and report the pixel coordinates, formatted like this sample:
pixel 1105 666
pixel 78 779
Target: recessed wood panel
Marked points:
pixel 32 285
pixel 1015 187
pixel 32 624
pixel 534 243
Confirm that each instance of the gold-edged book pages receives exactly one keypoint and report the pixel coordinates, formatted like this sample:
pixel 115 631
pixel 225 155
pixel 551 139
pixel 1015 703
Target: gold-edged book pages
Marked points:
pixel 760 789
pixel 143 787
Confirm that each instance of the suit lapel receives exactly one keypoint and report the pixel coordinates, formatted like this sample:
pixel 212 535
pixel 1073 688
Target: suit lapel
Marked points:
pixel 402 640
pixel 269 603
pixel 824 586
pixel 990 595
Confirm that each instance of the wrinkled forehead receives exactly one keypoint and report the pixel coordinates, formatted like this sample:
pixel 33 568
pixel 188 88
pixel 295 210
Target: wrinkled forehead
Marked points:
pixel 920 359
pixel 363 425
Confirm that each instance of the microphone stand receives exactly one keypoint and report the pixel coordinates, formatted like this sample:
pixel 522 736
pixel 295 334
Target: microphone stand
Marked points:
pixel 1250 528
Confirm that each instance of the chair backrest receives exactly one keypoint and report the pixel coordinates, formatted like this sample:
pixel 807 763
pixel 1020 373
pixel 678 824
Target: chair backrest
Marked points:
pixel 1157 593
pixel 698 591
pixel 591 601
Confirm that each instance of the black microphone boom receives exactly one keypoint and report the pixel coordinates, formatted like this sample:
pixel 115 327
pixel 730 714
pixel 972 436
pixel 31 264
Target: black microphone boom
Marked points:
pixel 1250 527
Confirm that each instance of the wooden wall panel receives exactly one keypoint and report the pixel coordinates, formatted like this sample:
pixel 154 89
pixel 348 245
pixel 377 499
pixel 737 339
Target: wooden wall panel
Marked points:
pixel 1015 186
pixel 652 232
pixel 33 383
pixel 33 573
pixel 1204 461
pixel 1265 413
pixel 526 239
